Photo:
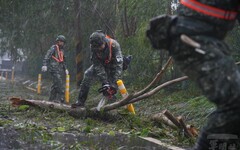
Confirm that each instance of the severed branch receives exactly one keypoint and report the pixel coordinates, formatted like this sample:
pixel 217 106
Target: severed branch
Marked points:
pixel 175 123
pixel 184 127
pixel 172 118
pixel 128 99
pixel 157 89
pixel 132 97
pixel 161 118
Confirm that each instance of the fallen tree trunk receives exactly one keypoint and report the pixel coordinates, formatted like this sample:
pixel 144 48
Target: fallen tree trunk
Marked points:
pixel 131 98
pixel 165 117
pixel 76 112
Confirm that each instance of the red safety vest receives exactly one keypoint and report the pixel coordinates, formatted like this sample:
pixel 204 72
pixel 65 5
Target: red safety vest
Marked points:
pixel 60 55
pixel 209 10
pixel 110 50
pixel 109 58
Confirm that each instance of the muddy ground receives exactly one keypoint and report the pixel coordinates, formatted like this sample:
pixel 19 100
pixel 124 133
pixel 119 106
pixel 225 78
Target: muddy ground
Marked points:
pixel 43 124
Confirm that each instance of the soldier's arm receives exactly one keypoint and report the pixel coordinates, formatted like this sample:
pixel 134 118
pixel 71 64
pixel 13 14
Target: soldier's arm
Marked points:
pixel 118 59
pixel 48 56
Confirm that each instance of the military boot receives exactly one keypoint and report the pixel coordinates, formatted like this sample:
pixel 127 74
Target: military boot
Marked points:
pixel 61 99
pixel 53 95
pixel 82 97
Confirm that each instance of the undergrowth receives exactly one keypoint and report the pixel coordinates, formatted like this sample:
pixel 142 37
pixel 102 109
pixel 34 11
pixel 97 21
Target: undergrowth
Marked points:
pixel 188 103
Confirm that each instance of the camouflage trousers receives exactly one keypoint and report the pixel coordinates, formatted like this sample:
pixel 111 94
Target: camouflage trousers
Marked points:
pixel 90 76
pixel 215 72
pixel 57 89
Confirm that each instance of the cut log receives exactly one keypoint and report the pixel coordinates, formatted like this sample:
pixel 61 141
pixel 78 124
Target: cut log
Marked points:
pixel 172 118
pixel 176 123
pixel 184 127
pixel 161 118
pixel 192 130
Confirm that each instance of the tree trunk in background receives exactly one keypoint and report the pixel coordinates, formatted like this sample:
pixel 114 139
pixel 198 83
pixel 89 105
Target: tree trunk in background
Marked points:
pixel 78 40
pixel 129 23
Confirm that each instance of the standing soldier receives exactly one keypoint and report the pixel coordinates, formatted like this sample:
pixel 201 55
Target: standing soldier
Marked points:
pixel 107 64
pixel 54 61
pixel 195 40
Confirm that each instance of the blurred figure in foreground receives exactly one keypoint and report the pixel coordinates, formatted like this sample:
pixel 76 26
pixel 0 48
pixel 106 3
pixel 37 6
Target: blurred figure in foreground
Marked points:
pixel 194 38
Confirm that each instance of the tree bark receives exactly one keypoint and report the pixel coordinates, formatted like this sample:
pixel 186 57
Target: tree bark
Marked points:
pixel 80 55
pixel 76 112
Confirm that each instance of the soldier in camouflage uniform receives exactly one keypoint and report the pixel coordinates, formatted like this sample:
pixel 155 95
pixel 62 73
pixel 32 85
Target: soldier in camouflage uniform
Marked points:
pixel 107 65
pixel 195 40
pixel 54 61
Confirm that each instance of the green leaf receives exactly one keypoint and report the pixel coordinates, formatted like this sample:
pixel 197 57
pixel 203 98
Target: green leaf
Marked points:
pixel 112 133
pixel 23 107
pixel 61 129
pixel 53 130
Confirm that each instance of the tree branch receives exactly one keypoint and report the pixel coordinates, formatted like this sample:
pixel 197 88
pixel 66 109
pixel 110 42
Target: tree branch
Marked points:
pixel 157 89
pixel 156 79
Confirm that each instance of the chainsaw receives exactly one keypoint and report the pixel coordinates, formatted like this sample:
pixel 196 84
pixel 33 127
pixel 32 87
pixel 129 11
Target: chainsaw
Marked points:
pixel 108 92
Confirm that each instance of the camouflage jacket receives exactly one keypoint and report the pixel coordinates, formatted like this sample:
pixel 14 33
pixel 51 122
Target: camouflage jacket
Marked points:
pixel 222 24
pixel 52 64
pixel 108 63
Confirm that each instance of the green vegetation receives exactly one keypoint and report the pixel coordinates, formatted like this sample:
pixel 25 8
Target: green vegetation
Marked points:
pixel 32 26
pixel 43 123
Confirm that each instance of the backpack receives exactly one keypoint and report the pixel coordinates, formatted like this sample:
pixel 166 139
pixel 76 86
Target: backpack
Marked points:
pixel 126 61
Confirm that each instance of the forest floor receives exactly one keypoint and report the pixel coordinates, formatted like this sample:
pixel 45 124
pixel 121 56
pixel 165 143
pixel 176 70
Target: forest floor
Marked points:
pixel 41 124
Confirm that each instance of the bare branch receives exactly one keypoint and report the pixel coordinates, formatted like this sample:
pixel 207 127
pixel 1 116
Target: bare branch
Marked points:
pixel 157 89
pixel 132 98
pixel 156 79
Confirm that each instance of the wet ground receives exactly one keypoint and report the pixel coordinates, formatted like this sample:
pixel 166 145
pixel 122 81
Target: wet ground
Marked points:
pixel 31 128
pixel 20 139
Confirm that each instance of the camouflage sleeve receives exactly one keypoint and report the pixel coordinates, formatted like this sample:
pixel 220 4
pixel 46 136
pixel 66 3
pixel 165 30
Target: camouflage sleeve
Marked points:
pixel 118 59
pixel 48 56
pixel 99 68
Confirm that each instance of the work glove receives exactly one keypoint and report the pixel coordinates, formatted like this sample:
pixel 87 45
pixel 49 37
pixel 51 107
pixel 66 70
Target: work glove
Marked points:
pixel 159 31
pixel 67 72
pixel 44 68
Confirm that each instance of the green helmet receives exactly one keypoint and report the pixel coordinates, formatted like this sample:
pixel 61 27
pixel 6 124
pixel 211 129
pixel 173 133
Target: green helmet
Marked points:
pixel 97 39
pixel 61 38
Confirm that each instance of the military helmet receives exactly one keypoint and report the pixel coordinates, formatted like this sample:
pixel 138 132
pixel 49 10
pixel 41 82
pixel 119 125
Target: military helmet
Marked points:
pixel 97 39
pixel 61 38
